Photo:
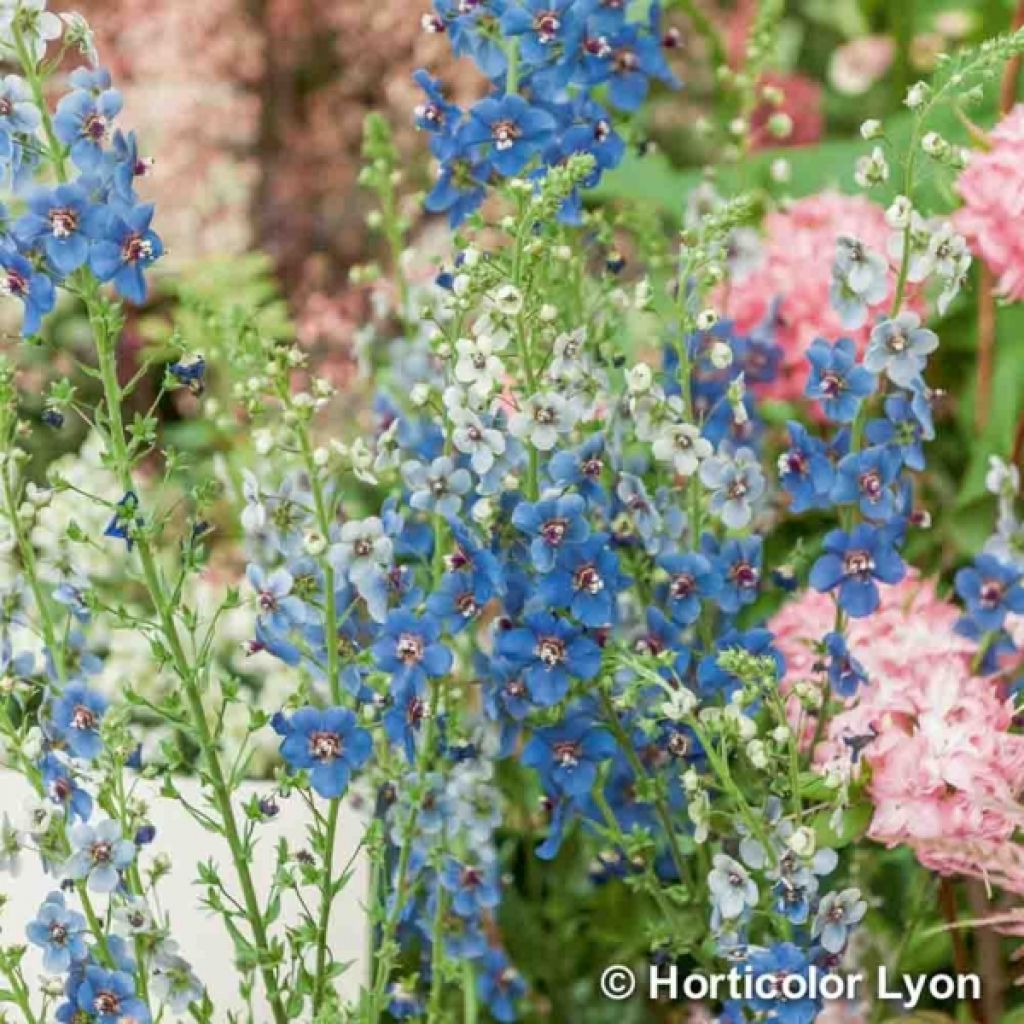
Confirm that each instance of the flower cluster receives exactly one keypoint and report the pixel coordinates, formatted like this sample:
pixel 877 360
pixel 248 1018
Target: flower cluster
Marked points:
pixel 526 613
pixel 556 68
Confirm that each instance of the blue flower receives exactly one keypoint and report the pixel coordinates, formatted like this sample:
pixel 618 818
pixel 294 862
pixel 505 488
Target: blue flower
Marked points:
pixel 845 672
pixel 124 523
pixel 60 932
pixel 855 563
pixel 586 581
pixel 805 470
pixel 82 121
pixel 499 986
pixel 836 380
pixel 437 488
pixel 778 962
pixel 866 478
pixel 408 649
pixel 713 678
pixel 626 60
pixel 991 589
pixel 901 430
pixel 546 29
pixel 279 607
pixel 62 221
pixel 99 854
pixel 732 890
pixel 62 789
pixel 189 371
pixel 899 348
pixel 403 719
pixel 473 886
pixel 474 29
pixel 691 580
pixel 454 601
pixel 76 717
pixel 738 564
pixel 859 280
pixel 837 913
pixel 549 651
pixel 736 482
pixel 127 247
pixel 436 116
pixel 552 525
pixel 327 743
pixel 460 188
pixel 21 280
pixel 469 557
pixel 512 130
pixel 18 115
pixel 109 997
pixel 567 755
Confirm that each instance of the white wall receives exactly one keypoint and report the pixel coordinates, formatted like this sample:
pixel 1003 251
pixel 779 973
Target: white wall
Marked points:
pixel 200 935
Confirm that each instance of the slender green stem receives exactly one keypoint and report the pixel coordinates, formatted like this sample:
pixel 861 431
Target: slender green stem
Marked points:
pixel 106 355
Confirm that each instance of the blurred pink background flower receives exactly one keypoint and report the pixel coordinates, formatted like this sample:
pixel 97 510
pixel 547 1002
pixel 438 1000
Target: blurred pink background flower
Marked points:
pixel 796 268
pixel 992 186
pixel 945 770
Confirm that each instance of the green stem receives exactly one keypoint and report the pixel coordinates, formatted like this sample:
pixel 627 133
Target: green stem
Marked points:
pixel 186 673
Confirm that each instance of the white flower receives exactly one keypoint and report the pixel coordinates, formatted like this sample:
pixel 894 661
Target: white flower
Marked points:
pixel 870 129
pixel 477 365
pixel 681 445
pixel 38 25
pixel 720 355
pixel 542 418
pixel 897 216
pixel 473 438
pixel 917 94
pixel 363 548
pixel 706 319
pixel 639 378
pixel 1003 478
pixel 508 299
pixel 565 357
pixel 254 515
pixel 680 704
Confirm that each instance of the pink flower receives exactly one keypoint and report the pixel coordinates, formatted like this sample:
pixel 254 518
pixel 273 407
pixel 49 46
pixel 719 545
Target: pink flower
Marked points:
pixel 944 766
pixel 795 270
pixel 856 66
pixel 801 103
pixel 992 186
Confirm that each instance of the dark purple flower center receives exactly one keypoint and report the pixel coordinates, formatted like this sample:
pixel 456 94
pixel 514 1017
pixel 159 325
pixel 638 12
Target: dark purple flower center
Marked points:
pixel 795 463
pixel 682 585
pixel 515 688
pixel 94 128
pixel 83 718
pixel 592 468
pixel 466 606
pixel 324 746
pixel 858 563
pixel 107 1002
pixel 546 25
pixel 505 133
pixel 17 284
pixel 991 593
pixel 58 933
pixel 744 575
pixel 897 342
pixel 871 484
pixel 470 877
pixel 409 648
pixel 832 385
pixel 678 744
pixel 625 60
pixel 101 852
pixel 362 547
pixel 63 222
pixel 551 650
pixel 738 488
pixel 588 579
pixel 554 530
pixel 136 249
pixel 567 753
pixel 415 711
pixel 6 106
pixel 597 46
pixel 268 601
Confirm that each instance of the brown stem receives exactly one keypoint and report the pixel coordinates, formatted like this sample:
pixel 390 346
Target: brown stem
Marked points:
pixel 1017 457
pixel 1008 88
pixel 947 903
pixel 988 953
